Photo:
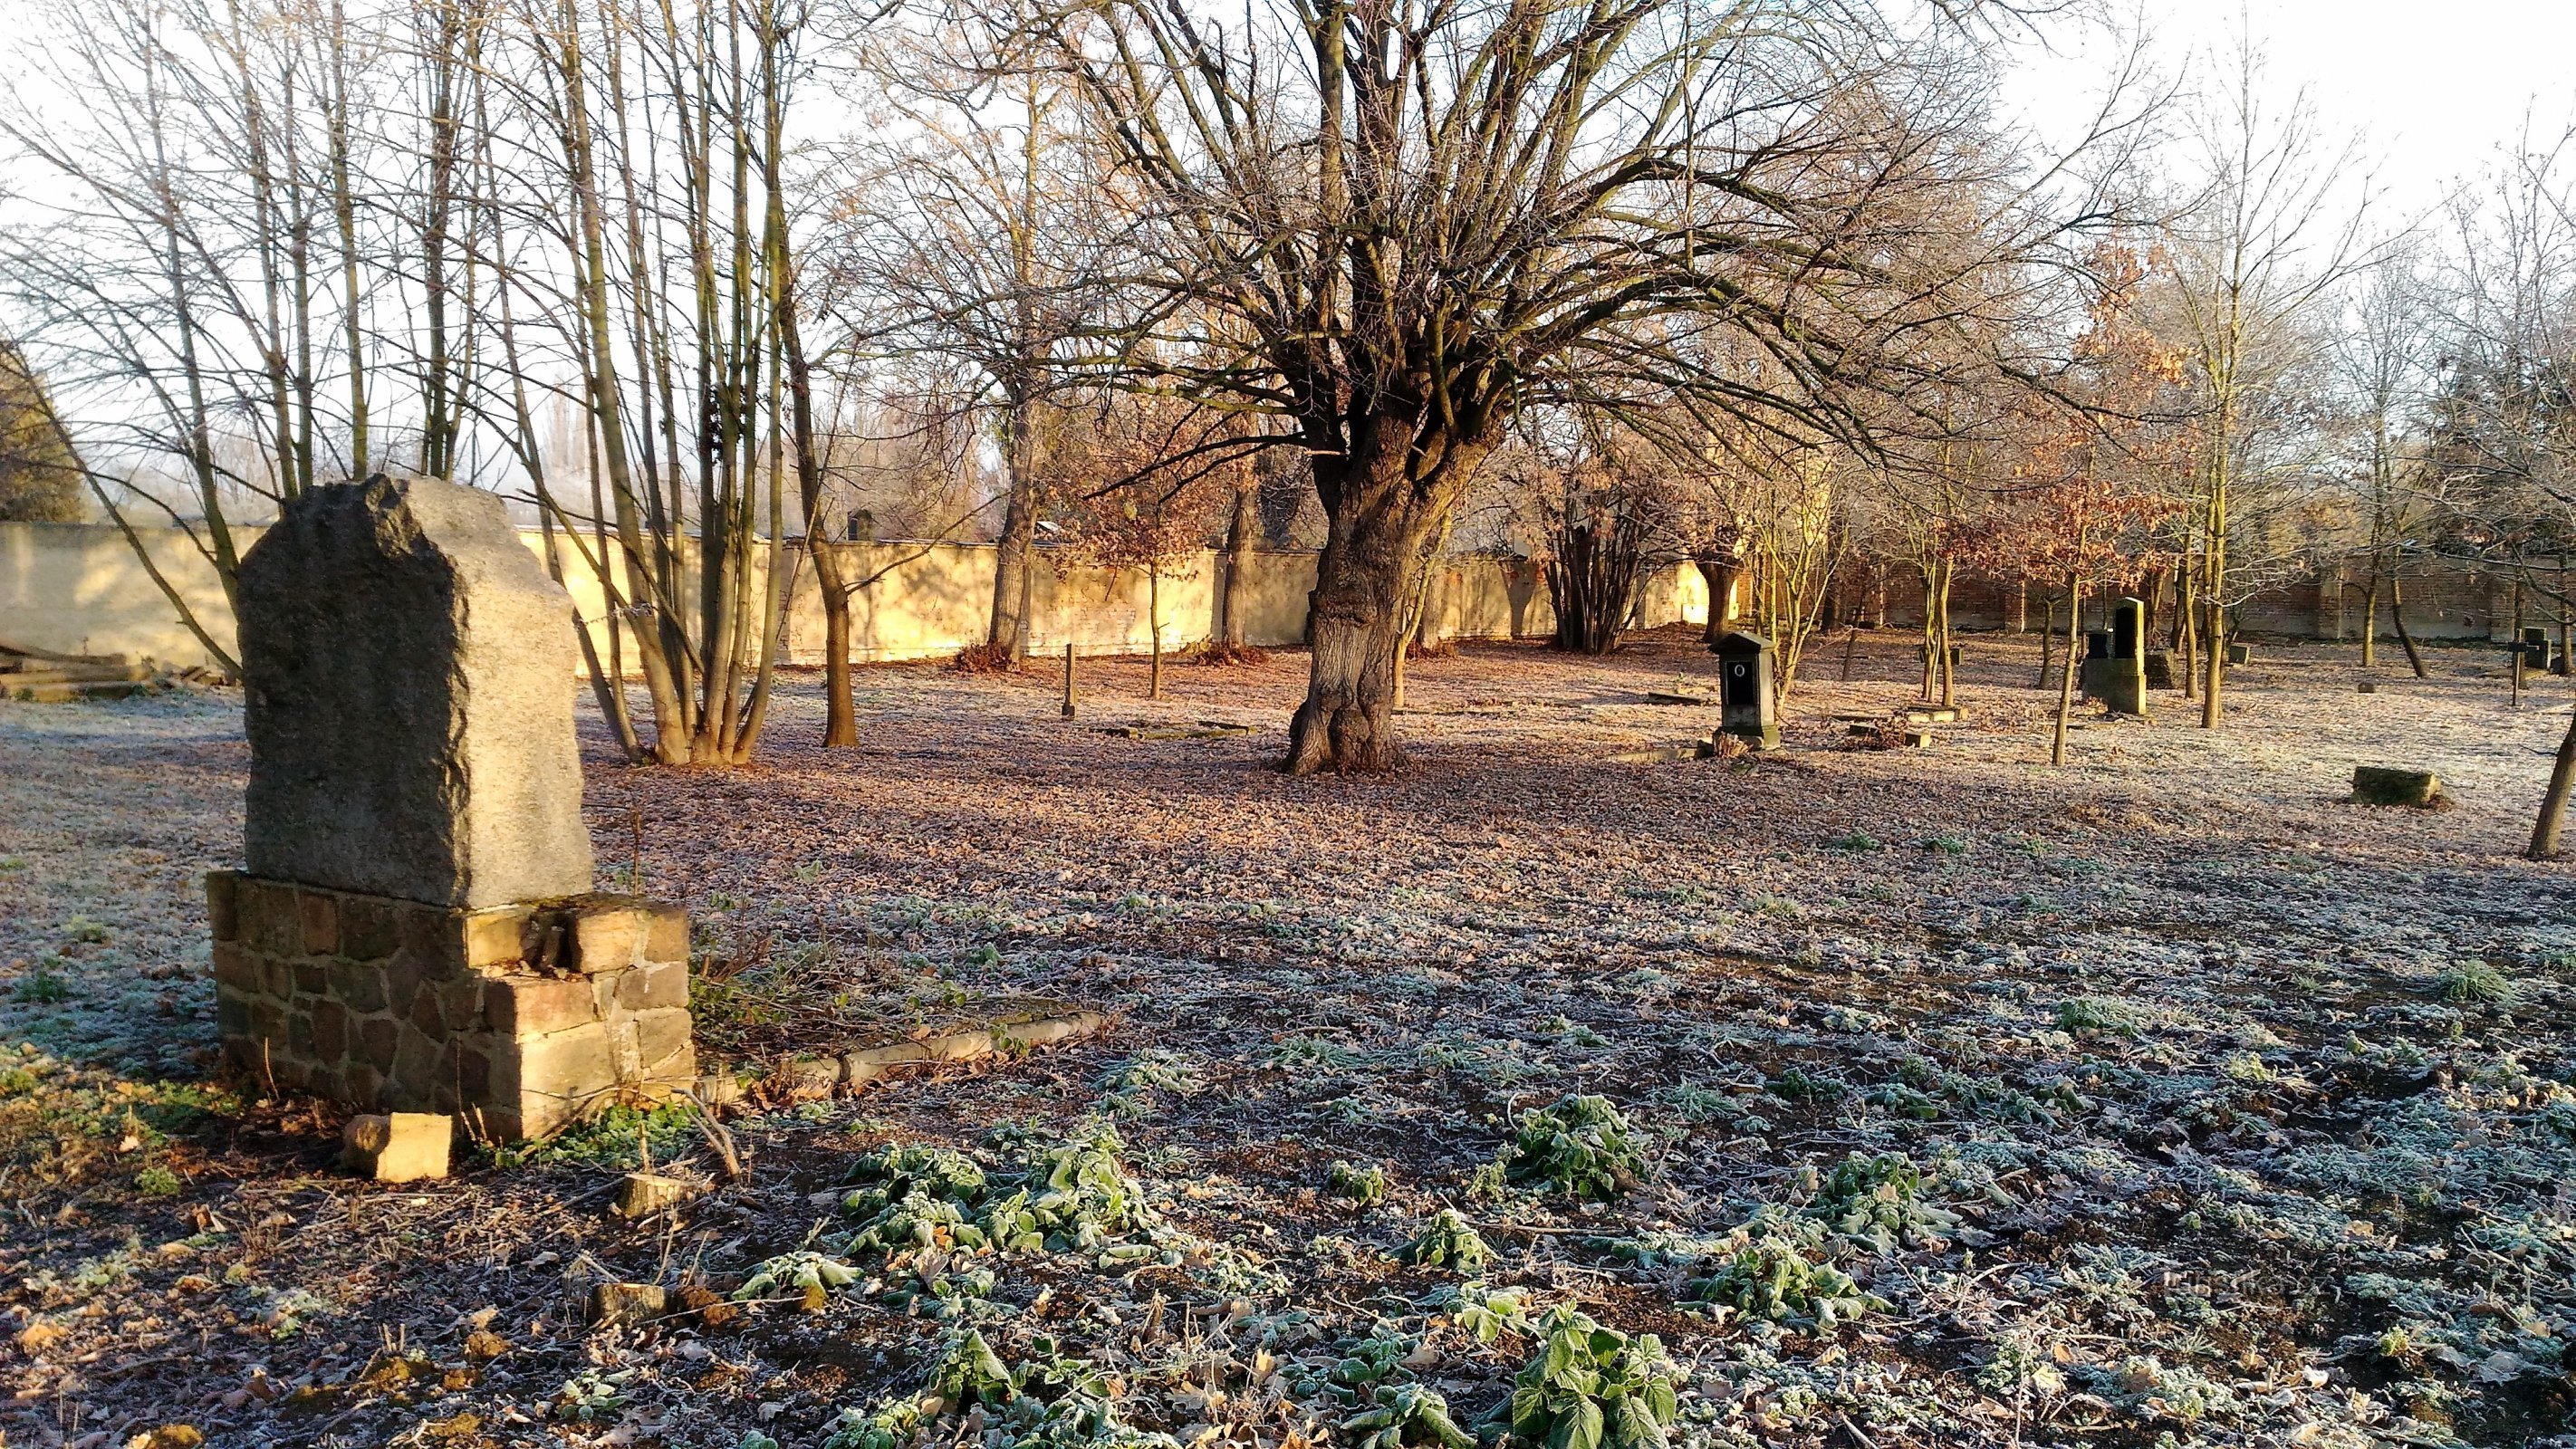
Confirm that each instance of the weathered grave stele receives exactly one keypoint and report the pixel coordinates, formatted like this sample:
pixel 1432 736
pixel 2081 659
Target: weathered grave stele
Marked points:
pixel 408 671
pixel 415 932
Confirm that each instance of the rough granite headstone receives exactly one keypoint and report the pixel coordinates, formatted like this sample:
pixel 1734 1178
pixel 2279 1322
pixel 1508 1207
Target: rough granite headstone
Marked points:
pixel 409 673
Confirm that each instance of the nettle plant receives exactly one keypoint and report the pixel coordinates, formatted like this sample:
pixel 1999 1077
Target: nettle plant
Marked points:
pixel 1358 1186
pixel 1050 1401
pixel 1591 1387
pixel 1773 1269
pixel 1482 1313
pixel 1581 1146
pixel 1449 1242
pixel 1878 1201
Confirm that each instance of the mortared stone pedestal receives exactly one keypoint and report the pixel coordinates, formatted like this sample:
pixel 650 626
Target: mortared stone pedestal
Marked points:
pixel 519 1019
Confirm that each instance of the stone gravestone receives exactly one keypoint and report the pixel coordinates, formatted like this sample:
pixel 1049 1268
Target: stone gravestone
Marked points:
pixel 2115 667
pixel 1747 706
pixel 415 931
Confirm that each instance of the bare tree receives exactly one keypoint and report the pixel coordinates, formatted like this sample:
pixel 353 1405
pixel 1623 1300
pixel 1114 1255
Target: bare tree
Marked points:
pixel 1409 227
pixel 2261 256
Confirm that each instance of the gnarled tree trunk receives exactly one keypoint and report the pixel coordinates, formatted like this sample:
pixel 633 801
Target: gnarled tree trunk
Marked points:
pixel 1380 515
pixel 1720 573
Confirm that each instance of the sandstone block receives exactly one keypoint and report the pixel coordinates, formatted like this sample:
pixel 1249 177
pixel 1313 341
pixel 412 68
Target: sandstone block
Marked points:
pixel 566 1069
pixel 664 1051
pixel 642 1194
pixel 607 936
pixel 408 684
pixel 809 1080
pixel 222 920
pixel 397 1146
pixel 527 1006
pixel 495 938
pixel 667 938
pixel 2379 785
pixel 654 986
pixel 318 916
pixel 624 1305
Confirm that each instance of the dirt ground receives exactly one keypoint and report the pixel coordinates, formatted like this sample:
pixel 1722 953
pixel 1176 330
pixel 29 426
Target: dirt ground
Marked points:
pixel 1906 1097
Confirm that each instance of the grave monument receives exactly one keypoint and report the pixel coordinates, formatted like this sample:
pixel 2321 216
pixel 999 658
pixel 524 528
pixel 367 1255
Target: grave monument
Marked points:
pixel 2115 665
pixel 1748 707
pixel 414 929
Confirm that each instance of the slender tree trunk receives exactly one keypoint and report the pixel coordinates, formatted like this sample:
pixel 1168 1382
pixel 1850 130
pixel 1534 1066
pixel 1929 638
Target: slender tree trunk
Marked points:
pixel 1154 624
pixel 2066 676
pixel 2213 679
pixel 1949 666
pixel 1931 635
pixel 2514 660
pixel 2370 622
pixel 2047 639
pixel 2397 620
pixel 2553 801
pixel 1242 534
pixel 2188 608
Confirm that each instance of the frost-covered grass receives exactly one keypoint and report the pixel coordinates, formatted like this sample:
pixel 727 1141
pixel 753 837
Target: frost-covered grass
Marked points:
pixel 1941 1098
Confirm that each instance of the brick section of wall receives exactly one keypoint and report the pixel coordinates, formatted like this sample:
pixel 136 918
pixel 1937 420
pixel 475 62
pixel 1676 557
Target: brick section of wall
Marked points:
pixel 518 1018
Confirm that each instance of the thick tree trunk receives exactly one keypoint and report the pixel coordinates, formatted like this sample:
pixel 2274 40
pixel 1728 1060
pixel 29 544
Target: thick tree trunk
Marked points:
pixel 1720 574
pixel 1379 519
pixel 1013 560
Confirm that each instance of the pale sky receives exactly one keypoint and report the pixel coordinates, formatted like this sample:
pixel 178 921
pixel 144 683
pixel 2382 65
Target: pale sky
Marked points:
pixel 2435 86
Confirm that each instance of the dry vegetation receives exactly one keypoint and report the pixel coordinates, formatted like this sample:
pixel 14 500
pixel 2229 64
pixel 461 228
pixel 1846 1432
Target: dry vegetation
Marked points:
pixel 2191 1104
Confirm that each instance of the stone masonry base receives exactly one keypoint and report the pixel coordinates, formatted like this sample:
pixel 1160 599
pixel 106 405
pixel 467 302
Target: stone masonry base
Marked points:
pixel 519 1019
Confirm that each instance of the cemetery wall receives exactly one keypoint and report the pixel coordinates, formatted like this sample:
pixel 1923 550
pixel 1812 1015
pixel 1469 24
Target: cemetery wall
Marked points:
pixel 78 588
pixel 2447 602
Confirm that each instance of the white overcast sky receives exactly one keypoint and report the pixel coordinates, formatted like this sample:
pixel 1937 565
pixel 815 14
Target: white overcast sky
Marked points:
pixel 2433 86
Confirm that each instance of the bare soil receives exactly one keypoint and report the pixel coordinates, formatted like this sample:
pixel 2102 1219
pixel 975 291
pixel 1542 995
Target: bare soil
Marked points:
pixel 2242 1113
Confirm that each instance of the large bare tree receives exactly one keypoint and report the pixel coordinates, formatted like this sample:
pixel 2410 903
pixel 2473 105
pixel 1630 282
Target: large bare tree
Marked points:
pixel 1411 222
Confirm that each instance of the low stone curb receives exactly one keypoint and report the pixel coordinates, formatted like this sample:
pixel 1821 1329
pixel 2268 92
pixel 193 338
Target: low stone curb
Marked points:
pixel 818 1077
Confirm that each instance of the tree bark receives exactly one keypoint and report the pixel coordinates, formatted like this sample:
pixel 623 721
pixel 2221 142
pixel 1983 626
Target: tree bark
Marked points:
pixel 2213 679
pixel 2553 801
pixel 2066 676
pixel 1240 536
pixel 1379 516
pixel 1720 573
pixel 2397 618
pixel 2370 622
pixel 1013 557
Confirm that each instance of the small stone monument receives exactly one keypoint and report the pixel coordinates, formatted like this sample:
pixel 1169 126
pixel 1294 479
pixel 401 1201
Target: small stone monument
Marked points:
pixel 415 931
pixel 1747 706
pixel 2533 649
pixel 2115 668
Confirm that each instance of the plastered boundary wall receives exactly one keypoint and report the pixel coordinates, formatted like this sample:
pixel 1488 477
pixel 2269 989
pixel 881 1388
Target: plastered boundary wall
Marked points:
pixel 2442 602
pixel 78 588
